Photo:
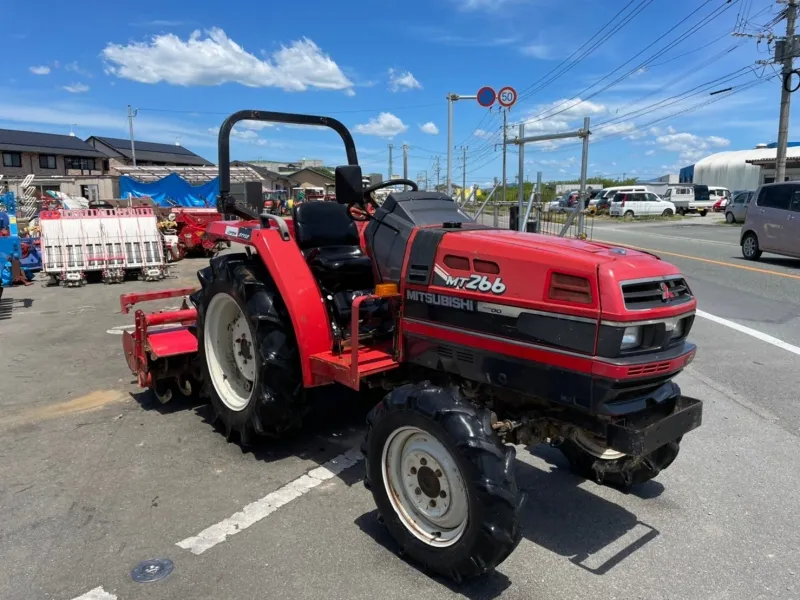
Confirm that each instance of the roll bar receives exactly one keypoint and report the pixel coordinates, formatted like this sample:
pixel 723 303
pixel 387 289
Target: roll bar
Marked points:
pixel 225 203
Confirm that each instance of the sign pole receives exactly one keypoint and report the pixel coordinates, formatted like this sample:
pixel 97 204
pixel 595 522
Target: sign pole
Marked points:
pixel 483 96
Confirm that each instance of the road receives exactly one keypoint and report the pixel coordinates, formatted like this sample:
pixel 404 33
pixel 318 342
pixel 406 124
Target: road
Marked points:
pixel 97 476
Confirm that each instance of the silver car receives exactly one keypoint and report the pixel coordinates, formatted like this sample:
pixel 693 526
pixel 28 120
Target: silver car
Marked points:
pixel 736 209
pixel 772 222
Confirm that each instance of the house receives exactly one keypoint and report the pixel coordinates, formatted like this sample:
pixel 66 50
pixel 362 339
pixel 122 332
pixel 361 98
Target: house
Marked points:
pixel 309 177
pixel 61 163
pixel 118 152
pixel 47 154
pixel 271 180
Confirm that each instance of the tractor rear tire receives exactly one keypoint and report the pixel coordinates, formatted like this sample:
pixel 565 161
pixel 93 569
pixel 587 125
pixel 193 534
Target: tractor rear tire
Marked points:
pixel 468 477
pixel 623 472
pixel 271 403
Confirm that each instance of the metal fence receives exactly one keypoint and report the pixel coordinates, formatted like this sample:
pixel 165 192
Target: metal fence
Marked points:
pixel 541 220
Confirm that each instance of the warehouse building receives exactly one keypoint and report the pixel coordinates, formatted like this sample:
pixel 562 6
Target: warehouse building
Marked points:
pixel 742 169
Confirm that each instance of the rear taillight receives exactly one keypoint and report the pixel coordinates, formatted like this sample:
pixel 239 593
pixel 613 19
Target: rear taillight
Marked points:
pixel 570 288
pixel 623 202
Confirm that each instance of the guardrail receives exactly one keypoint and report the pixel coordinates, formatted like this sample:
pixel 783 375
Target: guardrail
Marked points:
pixel 541 220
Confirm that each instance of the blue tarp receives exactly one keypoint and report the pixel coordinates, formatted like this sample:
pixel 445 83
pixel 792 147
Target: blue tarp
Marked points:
pixel 172 190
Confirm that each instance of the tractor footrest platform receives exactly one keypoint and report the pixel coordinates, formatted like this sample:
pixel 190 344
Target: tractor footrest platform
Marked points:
pixel 687 415
pixel 339 367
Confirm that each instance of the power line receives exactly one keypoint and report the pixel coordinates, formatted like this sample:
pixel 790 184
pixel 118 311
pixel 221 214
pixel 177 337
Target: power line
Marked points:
pixel 644 63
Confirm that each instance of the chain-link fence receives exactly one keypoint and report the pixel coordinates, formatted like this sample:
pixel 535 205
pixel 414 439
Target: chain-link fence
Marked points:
pixel 558 221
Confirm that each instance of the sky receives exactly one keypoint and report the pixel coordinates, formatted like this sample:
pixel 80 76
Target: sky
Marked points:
pixel 642 70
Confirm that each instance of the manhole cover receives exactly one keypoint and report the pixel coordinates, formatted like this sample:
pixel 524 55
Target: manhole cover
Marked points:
pixel 152 570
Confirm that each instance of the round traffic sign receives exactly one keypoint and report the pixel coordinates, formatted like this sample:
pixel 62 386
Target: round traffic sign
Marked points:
pixel 507 96
pixel 486 96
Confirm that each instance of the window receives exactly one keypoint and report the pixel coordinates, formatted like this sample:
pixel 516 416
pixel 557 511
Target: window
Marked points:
pixel 47 161
pixel 651 197
pixel 794 204
pixel 776 196
pixel 12 159
pixel 639 197
pixel 80 163
pixel 739 198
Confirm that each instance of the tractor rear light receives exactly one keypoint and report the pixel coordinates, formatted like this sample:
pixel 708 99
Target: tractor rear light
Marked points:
pixel 570 288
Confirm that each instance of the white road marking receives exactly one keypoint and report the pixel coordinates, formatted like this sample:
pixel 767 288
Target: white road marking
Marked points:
pixel 97 593
pixel 255 511
pixel 764 337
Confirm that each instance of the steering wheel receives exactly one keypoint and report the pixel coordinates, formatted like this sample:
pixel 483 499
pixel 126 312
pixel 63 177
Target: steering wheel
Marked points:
pixel 361 211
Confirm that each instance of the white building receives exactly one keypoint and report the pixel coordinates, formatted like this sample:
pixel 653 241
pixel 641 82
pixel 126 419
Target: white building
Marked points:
pixel 744 169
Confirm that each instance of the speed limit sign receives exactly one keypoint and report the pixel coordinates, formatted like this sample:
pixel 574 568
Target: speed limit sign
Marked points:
pixel 507 96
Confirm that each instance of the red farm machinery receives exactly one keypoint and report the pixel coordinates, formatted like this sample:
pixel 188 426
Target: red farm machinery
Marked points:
pixel 483 339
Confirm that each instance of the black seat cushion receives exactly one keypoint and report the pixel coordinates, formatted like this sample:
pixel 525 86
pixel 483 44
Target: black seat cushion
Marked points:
pixel 341 261
pixel 319 224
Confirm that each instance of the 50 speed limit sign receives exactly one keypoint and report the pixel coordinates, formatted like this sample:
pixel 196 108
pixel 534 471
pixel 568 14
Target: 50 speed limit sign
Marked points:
pixel 507 96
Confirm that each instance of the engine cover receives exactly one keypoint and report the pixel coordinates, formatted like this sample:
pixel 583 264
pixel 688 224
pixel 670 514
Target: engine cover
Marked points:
pixel 387 234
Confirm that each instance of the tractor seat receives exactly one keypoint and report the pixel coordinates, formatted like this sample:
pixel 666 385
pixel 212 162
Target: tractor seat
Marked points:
pixel 329 240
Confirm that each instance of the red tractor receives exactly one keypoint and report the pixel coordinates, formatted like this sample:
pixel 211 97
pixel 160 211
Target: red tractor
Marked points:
pixel 484 338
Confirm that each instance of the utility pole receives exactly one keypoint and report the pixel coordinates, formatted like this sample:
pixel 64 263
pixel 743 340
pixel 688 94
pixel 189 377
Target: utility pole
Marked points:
pixel 437 169
pixel 463 173
pixel 450 99
pixel 505 141
pixel 405 161
pixel 132 112
pixel 786 95
pixel 390 161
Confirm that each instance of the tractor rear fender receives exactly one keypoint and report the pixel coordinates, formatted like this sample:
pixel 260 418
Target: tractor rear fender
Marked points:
pixel 299 292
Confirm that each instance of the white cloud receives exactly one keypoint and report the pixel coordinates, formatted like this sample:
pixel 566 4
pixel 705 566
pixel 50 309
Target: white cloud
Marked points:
pixel 74 67
pixel 690 147
pixel 650 153
pixel 254 125
pixel 402 82
pixel 216 59
pixel 485 5
pixel 77 88
pixel 429 128
pixel 384 125
pixel 41 70
pixel 540 51
pixel 482 133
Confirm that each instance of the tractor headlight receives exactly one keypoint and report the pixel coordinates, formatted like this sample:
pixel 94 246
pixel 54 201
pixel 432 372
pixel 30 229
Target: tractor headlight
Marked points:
pixel 631 337
pixel 677 331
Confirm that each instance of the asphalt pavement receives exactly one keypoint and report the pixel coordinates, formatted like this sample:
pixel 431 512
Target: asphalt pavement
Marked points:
pixel 96 476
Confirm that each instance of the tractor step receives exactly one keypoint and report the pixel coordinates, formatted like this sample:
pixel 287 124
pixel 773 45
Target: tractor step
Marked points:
pixel 341 368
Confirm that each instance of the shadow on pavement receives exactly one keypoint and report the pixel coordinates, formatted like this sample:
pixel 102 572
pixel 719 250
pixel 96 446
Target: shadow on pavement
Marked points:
pixel 775 261
pixel 334 425
pixel 9 305
pixel 576 523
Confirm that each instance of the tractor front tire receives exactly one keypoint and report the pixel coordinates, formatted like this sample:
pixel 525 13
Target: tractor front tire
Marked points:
pixel 240 313
pixel 622 472
pixel 442 481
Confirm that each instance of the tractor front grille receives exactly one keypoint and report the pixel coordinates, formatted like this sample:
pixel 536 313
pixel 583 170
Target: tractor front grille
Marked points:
pixel 652 293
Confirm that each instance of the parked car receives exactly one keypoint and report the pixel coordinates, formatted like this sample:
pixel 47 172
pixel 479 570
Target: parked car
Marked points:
pixel 599 206
pixel 772 222
pixel 736 209
pixel 640 204
pixel 720 196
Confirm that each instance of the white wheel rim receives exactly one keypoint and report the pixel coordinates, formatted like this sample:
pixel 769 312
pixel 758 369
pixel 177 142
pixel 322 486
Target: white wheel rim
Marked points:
pixel 749 246
pixel 230 355
pixel 425 487
pixel 595 446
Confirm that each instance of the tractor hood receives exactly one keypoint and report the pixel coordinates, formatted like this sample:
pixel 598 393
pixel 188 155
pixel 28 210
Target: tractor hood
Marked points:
pixel 592 252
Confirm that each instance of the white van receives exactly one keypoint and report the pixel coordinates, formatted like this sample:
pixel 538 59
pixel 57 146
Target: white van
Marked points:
pixel 690 198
